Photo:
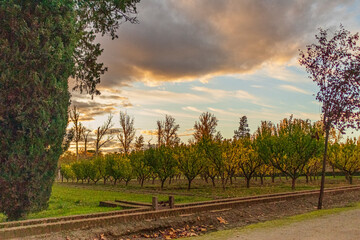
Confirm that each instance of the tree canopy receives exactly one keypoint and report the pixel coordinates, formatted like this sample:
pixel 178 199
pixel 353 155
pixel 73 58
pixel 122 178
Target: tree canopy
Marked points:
pixel 42 44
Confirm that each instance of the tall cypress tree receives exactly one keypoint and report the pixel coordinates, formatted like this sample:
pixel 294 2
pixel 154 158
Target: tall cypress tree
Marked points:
pixel 42 44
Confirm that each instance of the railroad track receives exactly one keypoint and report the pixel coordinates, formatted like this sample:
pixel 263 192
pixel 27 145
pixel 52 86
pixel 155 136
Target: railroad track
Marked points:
pixel 32 227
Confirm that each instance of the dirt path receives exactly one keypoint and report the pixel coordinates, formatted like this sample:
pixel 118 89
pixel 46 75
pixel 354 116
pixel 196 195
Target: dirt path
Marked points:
pixel 344 225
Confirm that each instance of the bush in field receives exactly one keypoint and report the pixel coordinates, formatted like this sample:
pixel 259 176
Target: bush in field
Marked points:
pixel 100 163
pixel 141 169
pixel 162 162
pixel 126 169
pixel 113 167
pixel 78 170
pixel 312 168
pixel 289 146
pixel 119 168
pixel 346 157
pixel 67 172
pixel 218 157
pixel 294 146
pixel 190 161
pixel 248 159
pixel 91 170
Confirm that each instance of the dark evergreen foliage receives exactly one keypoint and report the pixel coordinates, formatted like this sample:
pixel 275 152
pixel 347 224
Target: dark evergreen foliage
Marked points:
pixel 37 42
pixel 42 44
pixel 243 130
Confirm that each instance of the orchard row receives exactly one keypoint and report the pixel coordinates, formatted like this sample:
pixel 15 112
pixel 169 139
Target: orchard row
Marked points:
pixel 292 148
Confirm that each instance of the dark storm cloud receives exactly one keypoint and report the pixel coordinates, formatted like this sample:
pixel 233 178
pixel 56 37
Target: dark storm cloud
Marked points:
pixel 183 39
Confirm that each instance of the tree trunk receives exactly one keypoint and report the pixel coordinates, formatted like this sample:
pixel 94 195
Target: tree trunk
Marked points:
pixel 273 179
pixel 162 184
pixel 307 178
pixel 142 182
pixel 322 186
pixel 262 180
pixel 247 182
pixel 293 183
pixel 350 179
pixel 189 184
pixel 115 181
pixel 213 181
pixel 77 151
pixel 206 179
pixel 223 183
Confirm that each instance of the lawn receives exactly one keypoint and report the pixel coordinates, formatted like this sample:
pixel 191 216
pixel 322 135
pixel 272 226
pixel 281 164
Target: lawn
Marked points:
pixel 77 198
pixel 72 199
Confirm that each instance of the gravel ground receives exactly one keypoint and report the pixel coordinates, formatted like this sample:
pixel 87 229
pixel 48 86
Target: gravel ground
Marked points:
pixel 344 225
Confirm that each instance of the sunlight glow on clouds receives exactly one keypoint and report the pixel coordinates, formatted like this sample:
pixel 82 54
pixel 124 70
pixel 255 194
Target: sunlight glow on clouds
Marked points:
pixel 229 57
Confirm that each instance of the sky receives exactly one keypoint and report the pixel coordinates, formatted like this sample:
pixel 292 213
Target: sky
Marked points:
pixel 230 58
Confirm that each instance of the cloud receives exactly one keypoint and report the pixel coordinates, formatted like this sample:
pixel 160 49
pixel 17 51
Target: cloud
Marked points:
pixel 218 94
pixel 154 96
pixel 149 132
pixel 179 40
pixel 224 112
pixel 90 109
pixel 193 109
pixel 294 89
pixel 187 132
pixel 113 97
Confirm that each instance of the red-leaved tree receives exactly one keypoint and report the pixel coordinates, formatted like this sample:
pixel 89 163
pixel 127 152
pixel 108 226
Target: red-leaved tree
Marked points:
pixel 333 63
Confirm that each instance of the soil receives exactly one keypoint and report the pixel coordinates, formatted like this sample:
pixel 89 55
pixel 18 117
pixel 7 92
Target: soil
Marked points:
pixel 204 222
pixel 344 225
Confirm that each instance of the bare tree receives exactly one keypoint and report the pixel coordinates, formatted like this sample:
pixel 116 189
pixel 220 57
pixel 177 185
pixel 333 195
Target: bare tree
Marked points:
pixel 167 131
pixel 206 127
pixel 170 131
pixel 101 132
pixel 85 137
pixel 127 132
pixel 139 143
pixel 160 132
pixel 78 128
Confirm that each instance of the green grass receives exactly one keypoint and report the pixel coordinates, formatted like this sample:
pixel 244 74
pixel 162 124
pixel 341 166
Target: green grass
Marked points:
pixel 277 223
pixel 76 199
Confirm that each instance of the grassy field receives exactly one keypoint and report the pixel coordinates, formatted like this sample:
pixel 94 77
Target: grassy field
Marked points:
pixel 77 198
pixel 202 189
pixel 72 199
